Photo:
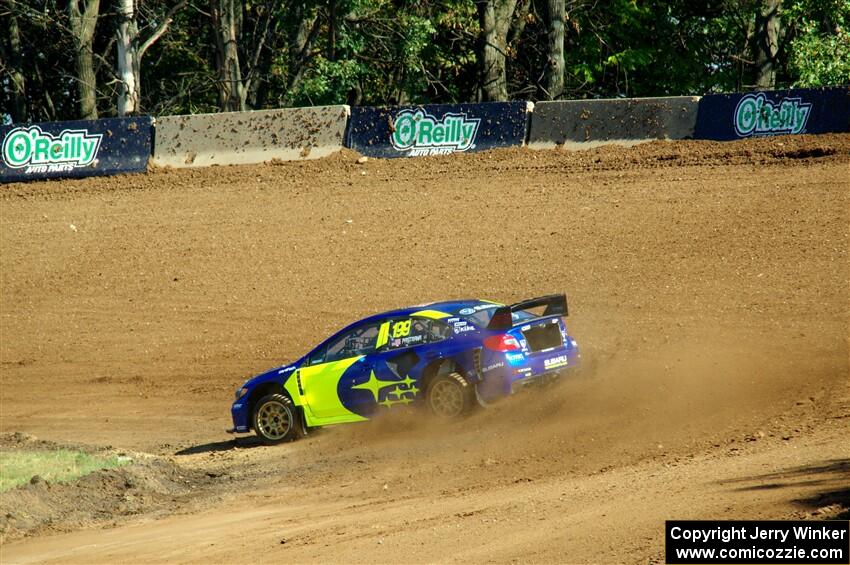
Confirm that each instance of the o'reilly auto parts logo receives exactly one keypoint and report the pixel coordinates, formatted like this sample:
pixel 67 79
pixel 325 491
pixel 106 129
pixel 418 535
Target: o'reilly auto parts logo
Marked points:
pixel 756 115
pixel 419 133
pixel 41 152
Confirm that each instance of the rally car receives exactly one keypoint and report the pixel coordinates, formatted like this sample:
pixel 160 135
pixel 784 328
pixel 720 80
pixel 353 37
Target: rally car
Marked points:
pixel 448 356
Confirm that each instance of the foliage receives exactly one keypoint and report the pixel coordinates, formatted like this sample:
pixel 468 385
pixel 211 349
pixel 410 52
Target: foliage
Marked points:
pixel 178 75
pixel 820 49
pixel 18 467
pixel 385 52
pixel 47 58
pixel 309 52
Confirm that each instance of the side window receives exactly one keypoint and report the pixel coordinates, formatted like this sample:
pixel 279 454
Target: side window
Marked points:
pixel 407 332
pixel 439 331
pixel 318 356
pixel 359 341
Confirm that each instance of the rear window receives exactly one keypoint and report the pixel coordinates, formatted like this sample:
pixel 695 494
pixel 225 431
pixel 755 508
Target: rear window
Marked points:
pixel 482 314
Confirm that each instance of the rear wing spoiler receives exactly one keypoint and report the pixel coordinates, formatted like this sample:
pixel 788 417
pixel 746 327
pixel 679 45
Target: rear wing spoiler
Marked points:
pixel 556 305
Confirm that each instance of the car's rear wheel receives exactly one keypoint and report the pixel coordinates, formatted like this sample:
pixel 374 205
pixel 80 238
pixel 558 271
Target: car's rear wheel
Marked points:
pixel 449 396
pixel 275 419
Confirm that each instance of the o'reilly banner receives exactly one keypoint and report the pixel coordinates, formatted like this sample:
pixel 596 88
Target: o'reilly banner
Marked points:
pixel 436 129
pixel 74 149
pixel 419 133
pixel 776 112
pixel 37 151
pixel 755 114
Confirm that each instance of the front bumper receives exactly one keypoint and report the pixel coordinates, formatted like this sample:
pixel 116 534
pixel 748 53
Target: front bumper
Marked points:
pixel 239 413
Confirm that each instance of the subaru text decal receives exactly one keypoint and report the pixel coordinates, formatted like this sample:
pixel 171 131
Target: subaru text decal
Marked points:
pixel 554 362
pixel 420 133
pixel 756 115
pixel 40 152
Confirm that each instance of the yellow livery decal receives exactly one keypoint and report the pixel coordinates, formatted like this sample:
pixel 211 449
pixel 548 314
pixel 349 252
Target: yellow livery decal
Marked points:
pixel 320 398
pixel 401 328
pixel 383 335
pixel 433 314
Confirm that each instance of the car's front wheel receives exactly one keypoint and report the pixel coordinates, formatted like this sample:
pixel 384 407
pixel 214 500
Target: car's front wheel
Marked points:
pixel 449 396
pixel 275 419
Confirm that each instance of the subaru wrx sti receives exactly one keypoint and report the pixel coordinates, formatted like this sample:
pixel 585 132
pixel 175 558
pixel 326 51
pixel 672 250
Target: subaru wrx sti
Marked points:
pixel 447 356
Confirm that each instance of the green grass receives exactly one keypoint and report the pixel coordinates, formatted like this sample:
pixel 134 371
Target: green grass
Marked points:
pixel 18 467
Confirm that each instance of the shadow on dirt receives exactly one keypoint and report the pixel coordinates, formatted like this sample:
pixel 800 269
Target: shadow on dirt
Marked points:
pixel 832 476
pixel 839 499
pixel 235 443
pixel 823 472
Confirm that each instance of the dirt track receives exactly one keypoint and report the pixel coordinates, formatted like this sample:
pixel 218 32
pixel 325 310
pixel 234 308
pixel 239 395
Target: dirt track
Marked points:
pixel 708 286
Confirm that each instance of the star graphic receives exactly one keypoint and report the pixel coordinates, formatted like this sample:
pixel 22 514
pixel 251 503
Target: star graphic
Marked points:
pixel 375 385
pixel 395 397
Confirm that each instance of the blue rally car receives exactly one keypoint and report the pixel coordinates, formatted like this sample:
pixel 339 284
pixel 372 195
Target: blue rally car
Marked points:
pixel 446 355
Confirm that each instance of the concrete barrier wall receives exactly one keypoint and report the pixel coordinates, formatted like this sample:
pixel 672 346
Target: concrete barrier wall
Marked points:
pixel 239 138
pixel 63 149
pixel 580 124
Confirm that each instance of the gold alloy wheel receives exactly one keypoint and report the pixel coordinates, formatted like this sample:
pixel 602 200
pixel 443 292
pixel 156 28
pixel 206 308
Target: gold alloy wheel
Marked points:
pixel 274 420
pixel 446 399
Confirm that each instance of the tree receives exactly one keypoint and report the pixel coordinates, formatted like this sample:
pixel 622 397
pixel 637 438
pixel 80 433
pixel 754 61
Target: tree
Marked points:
pixel 11 55
pixel 495 18
pixel 554 73
pixel 768 28
pixel 130 52
pixel 226 23
pixel 819 48
pixel 297 53
pixel 128 58
pixel 66 59
pixel 278 32
pixel 247 35
pixel 83 23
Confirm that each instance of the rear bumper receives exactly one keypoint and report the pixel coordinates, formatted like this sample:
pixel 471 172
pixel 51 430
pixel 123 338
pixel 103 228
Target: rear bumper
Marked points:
pixel 541 379
pixel 530 366
pixel 514 371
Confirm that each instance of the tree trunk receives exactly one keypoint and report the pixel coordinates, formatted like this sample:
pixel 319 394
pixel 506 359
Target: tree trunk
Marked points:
pixel 523 7
pixel 128 59
pixel 83 24
pixel 131 50
pixel 299 48
pixel 258 89
pixel 495 19
pixel 768 25
pixel 554 74
pixel 18 85
pixel 226 19
pixel 332 23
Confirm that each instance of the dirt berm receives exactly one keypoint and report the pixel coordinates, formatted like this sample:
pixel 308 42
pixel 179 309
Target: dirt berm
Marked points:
pixel 708 287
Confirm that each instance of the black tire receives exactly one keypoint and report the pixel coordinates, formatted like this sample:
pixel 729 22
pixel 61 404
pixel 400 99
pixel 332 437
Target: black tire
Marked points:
pixel 449 396
pixel 275 419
